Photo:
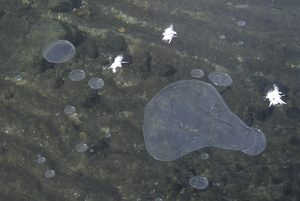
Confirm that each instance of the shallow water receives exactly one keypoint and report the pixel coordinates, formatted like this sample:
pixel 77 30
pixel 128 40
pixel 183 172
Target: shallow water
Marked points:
pixel 35 92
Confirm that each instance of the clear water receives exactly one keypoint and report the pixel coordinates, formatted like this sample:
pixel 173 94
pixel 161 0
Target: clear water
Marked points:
pixel 117 166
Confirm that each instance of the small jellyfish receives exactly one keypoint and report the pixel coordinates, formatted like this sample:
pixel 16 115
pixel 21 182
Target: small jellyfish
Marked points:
pixel 219 78
pixel 49 173
pixel 69 109
pixel 241 23
pixel 198 182
pixel 197 73
pixel 204 156
pixel 241 42
pixel 108 135
pixel 96 83
pixel 77 75
pixel 222 37
pixel 41 159
pixel 81 147
pixel 59 51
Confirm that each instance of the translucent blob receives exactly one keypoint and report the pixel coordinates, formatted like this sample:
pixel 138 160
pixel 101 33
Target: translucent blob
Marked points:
pixel 190 114
pixel 222 37
pixel 204 156
pixel 81 147
pixel 69 109
pixel 59 51
pixel 241 42
pixel 241 23
pixel 107 135
pixel 49 173
pixel 41 159
pixel 96 83
pixel 77 75
pixel 197 73
pixel 198 182
pixel 219 78
pixel 158 199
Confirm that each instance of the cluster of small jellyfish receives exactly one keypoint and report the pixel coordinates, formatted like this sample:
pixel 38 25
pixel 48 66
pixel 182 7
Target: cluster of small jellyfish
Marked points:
pixel 61 51
pixel 240 23
pixel 218 78
pixel 221 79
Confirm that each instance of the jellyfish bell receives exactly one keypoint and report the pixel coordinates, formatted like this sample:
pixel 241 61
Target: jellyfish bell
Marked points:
pixel 59 51
pixel 190 114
